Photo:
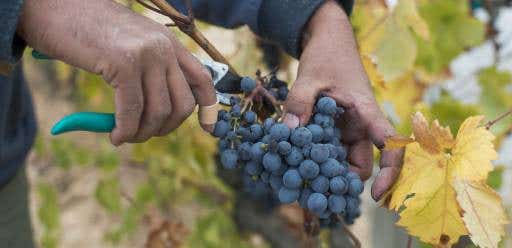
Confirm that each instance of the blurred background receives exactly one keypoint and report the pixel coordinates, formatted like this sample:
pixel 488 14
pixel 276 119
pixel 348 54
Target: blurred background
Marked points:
pixel 448 59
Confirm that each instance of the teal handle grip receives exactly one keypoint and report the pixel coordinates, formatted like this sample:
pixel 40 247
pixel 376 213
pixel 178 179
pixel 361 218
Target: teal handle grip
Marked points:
pixel 85 121
pixel 38 55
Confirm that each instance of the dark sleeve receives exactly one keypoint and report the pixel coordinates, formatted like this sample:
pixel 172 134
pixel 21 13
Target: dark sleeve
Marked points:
pixel 280 21
pixel 11 46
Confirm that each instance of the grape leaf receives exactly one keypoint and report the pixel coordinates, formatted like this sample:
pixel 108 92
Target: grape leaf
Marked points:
pixel 426 189
pixel 484 215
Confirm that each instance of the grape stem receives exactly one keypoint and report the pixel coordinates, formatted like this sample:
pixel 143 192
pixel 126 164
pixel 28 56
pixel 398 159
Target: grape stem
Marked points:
pixel 187 25
pixel 489 124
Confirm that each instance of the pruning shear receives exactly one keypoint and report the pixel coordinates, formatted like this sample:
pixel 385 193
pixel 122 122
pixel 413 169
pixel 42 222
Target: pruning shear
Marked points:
pixel 225 83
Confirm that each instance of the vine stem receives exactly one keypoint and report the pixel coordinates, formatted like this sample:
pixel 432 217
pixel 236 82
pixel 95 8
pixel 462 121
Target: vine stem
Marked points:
pixel 489 124
pixel 186 25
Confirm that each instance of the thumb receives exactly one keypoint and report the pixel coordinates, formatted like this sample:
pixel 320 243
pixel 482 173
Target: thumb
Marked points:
pixel 299 104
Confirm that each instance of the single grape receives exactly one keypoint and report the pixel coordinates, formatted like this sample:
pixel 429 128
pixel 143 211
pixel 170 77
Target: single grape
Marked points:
pixel 322 120
pixel 221 129
pixel 250 117
pixel 279 132
pixel 265 176
pixel 282 169
pixel 231 135
pixel 352 208
pixel 328 134
pixel 253 168
pixel 317 203
pixel 276 181
pixel 257 151
pixel 294 157
pixel 331 168
pixel 352 175
pixel 234 100
pixel 333 153
pixel 319 153
pixel 327 106
pixel 287 195
pixel 256 132
pixel 304 196
pixel 244 151
pixel 266 139
pixel 223 115
pixel 236 111
pixel 245 133
pixel 306 150
pixel 308 169
pixel 267 124
pixel 292 179
pixel 341 153
pixel 284 147
pixel 326 214
pixel 338 185
pixel 271 161
pixel 247 84
pixel 355 187
pixel 320 184
pixel 301 136
pixel 223 144
pixel 317 132
pixel 337 204
pixel 282 93
pixel 229 158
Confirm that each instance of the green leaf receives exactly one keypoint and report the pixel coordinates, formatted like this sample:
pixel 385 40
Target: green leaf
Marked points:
pixel 452 30
pixel 451 112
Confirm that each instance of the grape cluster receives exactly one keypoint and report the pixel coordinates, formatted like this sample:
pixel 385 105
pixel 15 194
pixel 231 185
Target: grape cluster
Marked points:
pixel 305 164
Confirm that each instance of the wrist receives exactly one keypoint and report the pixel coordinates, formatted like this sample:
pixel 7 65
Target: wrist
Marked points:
pixel 329 20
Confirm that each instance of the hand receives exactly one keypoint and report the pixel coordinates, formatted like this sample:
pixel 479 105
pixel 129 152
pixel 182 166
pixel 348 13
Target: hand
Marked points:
pixel 330 64
pixel 157 82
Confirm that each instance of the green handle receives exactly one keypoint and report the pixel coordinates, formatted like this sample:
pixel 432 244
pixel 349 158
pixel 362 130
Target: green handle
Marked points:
pixel 85 121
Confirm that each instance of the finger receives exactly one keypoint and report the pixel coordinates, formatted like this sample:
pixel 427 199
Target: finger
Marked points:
pixel 360 157
pixel 300 102
pixel 157 103
pixel 129 103
pixel 379 129
pixel 182 100
pixel 390 165
pixel 199 80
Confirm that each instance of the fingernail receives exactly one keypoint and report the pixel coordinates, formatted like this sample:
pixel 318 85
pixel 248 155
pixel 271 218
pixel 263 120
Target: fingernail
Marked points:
pixel 291 120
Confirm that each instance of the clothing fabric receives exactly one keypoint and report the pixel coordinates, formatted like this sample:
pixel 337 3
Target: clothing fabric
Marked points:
pixel 15 228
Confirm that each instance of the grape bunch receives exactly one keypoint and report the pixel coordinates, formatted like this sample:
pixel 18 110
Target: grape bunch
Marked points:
pixel 305 164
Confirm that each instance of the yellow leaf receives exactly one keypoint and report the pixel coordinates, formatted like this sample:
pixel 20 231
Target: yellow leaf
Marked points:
pixel 484 215
pixel 473 150
pixel 432 214
pixel 423 134
pixel 397 141
pixel 417 162
pixel 371 70
pixel 426 184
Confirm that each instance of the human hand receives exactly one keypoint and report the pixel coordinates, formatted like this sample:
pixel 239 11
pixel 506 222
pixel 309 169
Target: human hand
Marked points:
pixel 157 82
pixel 330 64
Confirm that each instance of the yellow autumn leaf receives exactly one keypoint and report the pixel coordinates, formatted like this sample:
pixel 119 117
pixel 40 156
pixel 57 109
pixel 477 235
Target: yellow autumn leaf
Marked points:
pixel 397 141
pixel 484 215
pixel 426 184
pixel 371 70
